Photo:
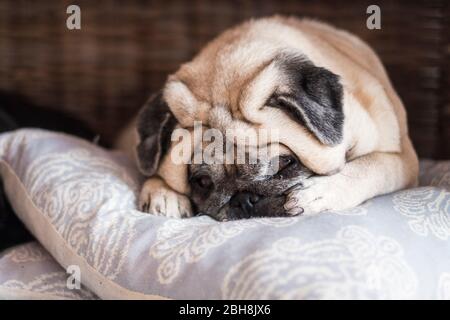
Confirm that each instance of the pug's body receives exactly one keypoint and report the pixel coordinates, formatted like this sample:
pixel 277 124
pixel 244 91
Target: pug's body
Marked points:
pixel 343 133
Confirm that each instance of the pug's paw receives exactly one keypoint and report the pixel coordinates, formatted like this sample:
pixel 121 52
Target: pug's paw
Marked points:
pixel 320 194
pixel 159 199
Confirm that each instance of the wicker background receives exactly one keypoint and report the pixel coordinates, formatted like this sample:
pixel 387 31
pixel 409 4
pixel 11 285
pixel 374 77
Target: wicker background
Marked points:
pixel 125 49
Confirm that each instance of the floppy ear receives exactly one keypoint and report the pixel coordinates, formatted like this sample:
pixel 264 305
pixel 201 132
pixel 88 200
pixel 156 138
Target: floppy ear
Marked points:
pixel 154 125
pixel 314 99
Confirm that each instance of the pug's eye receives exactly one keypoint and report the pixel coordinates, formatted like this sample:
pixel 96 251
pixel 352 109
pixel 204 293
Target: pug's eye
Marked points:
pixel 203 182
pixel 285 162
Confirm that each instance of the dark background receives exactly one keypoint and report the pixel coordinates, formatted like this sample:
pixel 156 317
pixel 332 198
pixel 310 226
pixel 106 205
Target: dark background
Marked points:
pixel 125 49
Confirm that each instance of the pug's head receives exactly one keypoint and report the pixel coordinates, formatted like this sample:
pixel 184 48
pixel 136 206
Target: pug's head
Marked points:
pixel 240 82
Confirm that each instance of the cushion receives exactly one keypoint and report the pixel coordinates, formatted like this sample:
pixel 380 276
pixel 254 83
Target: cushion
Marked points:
pixel 28 271
pixel 80 201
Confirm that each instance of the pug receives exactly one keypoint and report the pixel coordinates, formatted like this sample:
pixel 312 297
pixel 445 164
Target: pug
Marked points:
pixel 342 129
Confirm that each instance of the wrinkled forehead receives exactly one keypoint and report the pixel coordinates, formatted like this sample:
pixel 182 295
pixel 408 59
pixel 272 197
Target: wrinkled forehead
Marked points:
pixel 211 146
pixel 242 164
pixel 237 152
pixel 226 95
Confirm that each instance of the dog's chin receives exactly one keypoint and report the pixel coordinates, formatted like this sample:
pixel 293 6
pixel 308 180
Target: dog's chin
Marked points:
pixel 265 208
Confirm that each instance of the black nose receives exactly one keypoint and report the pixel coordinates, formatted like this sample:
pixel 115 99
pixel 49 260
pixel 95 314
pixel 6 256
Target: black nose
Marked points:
pixel 242 204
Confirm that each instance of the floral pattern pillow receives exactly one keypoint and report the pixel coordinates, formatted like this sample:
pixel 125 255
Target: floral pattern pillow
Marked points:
pixel 80 202
pixel 28 271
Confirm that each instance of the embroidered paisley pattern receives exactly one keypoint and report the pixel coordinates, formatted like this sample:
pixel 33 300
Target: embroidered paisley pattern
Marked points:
pixel 79 204
pixel 50 284
pixel 355 263
pixel 187 241
pixel 427 210
pixel 38 272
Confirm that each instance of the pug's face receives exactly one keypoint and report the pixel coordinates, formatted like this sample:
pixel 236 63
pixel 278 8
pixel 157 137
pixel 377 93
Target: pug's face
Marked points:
pixel 237 191
pixel 234 85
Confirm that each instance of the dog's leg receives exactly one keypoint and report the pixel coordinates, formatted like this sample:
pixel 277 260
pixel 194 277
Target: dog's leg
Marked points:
pixel 361 179
pixel 158 198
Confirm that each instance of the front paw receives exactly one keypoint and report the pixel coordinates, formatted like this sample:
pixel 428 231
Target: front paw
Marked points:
pixel 318 194
pixel 159 199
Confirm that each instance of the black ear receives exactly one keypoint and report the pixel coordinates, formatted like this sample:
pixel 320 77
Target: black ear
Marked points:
pixel 154 125
pixel 314 99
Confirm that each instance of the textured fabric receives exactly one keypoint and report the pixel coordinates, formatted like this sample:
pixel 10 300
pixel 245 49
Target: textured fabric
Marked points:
pixel 28 271
pixel 80 202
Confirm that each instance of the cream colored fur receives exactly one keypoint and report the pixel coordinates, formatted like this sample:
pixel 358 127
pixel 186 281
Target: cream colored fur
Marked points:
pixel 227 84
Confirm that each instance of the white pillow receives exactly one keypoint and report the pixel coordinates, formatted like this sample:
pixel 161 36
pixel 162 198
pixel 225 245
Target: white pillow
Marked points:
pixel 80 202
pixel 30 272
